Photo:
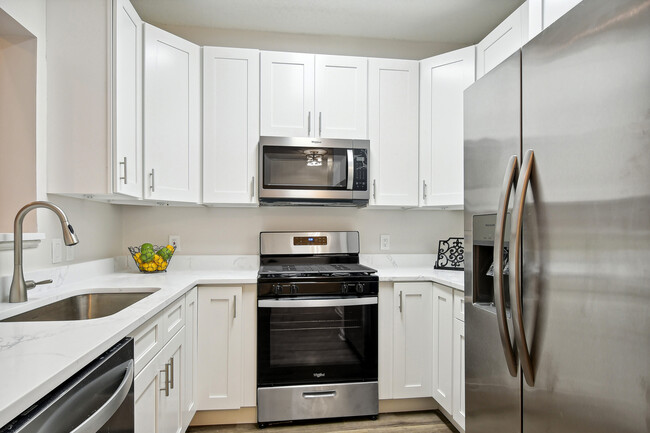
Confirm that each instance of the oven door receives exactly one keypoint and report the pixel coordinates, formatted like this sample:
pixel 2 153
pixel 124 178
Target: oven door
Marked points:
pixel 316 340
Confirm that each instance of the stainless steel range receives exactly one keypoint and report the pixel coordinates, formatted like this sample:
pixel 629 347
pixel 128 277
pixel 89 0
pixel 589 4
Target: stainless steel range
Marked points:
pixel 316 328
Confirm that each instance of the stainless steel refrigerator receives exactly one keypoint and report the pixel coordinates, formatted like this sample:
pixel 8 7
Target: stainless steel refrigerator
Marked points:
pixel 557 229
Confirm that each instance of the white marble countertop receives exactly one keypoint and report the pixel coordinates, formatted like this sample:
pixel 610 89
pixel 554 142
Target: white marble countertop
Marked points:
pixel 35 357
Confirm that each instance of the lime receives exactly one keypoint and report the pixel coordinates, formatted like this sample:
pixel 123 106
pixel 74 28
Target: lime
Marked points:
pixel 146 246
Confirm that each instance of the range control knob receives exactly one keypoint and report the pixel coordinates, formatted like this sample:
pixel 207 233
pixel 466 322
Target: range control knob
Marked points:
pixel 277 289
pixel 293 288
pixel 359 287
pixel 344 288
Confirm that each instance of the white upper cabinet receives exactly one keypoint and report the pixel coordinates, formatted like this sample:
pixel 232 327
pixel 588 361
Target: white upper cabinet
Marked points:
pixel 307 95
pixel 443 80
pixel 287 94
pixel 230 125
pixel 554 9
pixel 341 97
pixel 127 94
pixel 172 123
pixel 520 27
pixel 94 72
pixel 393 131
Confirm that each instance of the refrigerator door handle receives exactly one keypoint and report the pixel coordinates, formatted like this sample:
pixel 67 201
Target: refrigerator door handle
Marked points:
pixel 509 180
pixel 515 267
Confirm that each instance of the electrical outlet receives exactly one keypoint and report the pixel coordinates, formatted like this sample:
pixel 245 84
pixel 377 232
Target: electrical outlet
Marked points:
pixel 69 253
pixel 175 241
pixel 56 250
pixel 384 242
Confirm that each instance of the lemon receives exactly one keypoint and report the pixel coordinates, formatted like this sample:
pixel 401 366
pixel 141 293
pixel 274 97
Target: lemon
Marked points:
pixel 162 266
pixel 158 260
pixel 137 258
pixel 170 248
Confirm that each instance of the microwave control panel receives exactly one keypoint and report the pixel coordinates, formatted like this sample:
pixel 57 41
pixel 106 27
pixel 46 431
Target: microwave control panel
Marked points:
pixel 360 181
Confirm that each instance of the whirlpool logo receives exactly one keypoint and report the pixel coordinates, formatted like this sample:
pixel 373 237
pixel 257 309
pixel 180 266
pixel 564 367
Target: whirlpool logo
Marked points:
pixel 319 374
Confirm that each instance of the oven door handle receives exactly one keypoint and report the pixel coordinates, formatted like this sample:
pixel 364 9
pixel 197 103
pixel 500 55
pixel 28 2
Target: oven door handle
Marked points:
pixel 307 303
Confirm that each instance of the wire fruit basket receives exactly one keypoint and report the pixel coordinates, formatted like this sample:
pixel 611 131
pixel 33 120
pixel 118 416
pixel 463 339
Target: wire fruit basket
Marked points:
pixel 152 258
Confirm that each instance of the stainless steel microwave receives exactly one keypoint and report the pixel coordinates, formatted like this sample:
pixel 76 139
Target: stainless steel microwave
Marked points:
pixel 309 171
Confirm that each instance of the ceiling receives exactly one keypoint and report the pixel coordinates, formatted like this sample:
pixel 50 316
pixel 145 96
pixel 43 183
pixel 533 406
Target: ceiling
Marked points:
pixel 449 21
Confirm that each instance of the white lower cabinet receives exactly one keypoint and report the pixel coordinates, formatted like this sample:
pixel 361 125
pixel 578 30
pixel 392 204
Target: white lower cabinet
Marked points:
pixel 443 321
pixel 165 375
pixel 191 359
pixel 158 390
pixel 411 340
pixel 226 347
pixel 459 372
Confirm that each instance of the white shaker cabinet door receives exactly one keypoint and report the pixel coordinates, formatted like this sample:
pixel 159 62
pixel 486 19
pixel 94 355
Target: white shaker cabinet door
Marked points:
pixel 412 340
pixel 287 94
pixel 443 79
pixel 502 42
pixel 443 321
pixel 157 390
pixel 231 128
pixel 220 348
pixel 189 371
pixel 127 94
pixel 393 131
pixel 341 97
pixel 172 93
pixel 459 372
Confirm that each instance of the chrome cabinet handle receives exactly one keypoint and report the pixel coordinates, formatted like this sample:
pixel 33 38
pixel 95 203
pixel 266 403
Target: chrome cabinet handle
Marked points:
pixel 95 422
pixel 424 190
pixel 171 369
pixel 309 124
pixel 509 179
pixel 123 163
pixel 515 267
pixel 253 188
pixel 152 186
pixel 374 189
pixel 166 371
pixel 234 301
pixel 320 123
pixel 400 301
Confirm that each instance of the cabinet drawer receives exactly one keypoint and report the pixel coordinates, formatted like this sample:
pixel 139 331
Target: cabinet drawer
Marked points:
pixel 459 305
pixel 173 318
pixel 147 341
pixel 149 338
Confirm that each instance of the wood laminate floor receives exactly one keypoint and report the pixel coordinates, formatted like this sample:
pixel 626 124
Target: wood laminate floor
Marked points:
pixel 409 422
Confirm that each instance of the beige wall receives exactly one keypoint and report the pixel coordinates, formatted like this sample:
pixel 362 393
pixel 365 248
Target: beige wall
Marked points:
pixel 236 231
pixel 98 225
pixel 366 47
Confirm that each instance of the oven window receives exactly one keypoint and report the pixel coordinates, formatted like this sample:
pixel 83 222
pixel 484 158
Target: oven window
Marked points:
pixel 317 344
pixel 305 168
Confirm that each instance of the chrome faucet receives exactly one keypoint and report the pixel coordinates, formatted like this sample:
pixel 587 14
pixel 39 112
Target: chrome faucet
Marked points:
pixel 19 287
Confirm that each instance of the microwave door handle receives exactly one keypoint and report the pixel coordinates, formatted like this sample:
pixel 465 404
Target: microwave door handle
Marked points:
pixel 350 169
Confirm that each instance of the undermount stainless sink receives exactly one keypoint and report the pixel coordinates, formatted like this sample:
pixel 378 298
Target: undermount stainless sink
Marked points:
pixel 82 307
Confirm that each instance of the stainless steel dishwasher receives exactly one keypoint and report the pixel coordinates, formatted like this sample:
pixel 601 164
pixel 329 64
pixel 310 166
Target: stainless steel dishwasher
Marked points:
pixel 98 398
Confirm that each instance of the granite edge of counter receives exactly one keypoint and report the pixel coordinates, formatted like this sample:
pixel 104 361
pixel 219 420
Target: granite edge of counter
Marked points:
pixel 134 316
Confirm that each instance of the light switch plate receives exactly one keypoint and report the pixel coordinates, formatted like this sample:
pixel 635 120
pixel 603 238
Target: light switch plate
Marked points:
pixel 384 242
pixel 175 241
pixel 57 245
